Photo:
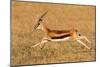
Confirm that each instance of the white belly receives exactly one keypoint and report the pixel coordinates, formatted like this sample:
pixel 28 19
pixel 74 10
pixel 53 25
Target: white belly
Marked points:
pixel 64 39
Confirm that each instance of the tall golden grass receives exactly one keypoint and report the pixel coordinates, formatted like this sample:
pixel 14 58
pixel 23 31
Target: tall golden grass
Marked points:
pixel 59 17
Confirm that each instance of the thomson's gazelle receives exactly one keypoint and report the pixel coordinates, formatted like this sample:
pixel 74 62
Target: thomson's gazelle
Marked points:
pixel 56 35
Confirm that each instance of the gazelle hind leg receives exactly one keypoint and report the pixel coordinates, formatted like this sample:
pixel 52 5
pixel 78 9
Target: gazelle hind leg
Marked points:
pixel 83 44
pixel 83 37
pixel 87 39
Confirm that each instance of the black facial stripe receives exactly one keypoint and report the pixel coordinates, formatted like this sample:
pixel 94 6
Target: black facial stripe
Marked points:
pixel 36 25
pixel 60 37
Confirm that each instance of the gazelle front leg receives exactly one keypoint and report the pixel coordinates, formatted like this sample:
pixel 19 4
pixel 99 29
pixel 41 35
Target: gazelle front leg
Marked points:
pixel 35 45
pixel 44 40
pixel 41 44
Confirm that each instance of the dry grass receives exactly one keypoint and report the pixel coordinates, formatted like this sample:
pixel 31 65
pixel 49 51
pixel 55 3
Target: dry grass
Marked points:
pixel 60 16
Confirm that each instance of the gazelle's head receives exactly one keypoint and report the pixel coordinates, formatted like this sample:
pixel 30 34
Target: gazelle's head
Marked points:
pixel 39 24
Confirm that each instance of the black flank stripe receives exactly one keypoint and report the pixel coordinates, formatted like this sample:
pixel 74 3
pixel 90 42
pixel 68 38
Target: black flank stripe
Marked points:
pixel 60 37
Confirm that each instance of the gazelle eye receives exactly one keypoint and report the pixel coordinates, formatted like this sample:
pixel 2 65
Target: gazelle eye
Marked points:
pixel 38 23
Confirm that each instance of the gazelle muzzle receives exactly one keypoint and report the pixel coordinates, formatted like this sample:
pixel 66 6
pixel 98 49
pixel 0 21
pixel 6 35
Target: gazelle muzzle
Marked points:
pixel 35 27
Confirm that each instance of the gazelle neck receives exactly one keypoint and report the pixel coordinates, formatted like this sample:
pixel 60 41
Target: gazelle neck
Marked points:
pixel 44 28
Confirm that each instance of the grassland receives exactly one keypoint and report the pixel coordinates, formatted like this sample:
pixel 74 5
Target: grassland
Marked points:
pixel 59 17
